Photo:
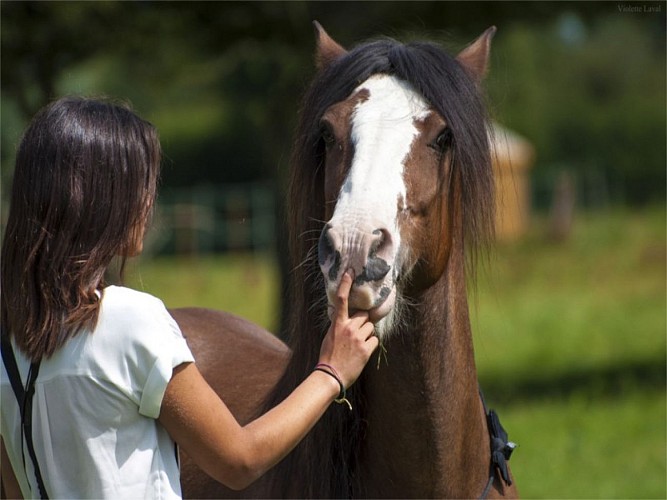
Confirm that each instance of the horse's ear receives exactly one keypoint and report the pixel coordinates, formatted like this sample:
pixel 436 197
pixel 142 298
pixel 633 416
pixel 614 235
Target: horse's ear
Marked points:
pixel 475 57
pixel 327 48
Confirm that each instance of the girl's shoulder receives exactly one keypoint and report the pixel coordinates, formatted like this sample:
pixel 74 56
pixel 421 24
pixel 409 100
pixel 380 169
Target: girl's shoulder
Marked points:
pixel 124 306
pixel 128 300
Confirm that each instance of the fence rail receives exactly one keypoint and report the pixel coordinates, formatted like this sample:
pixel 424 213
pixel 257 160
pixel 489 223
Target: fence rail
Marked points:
pixel 208 219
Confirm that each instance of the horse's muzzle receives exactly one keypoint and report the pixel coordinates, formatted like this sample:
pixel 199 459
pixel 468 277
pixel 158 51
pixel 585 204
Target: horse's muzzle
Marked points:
pixel 369 254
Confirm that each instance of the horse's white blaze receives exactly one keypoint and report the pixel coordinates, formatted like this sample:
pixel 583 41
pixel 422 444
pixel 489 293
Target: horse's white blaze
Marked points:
pixel 383 131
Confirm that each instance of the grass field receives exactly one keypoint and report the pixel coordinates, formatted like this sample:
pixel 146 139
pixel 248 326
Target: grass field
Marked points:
pixel 570 344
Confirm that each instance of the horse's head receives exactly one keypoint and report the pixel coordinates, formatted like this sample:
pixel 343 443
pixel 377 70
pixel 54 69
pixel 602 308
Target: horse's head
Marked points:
pixel 393 151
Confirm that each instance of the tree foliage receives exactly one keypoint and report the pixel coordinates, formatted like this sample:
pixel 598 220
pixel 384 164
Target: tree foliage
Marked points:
pixel 591 97
pixel 221 80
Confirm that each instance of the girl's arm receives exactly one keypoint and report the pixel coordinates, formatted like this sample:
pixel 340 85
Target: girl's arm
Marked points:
pixel 199 421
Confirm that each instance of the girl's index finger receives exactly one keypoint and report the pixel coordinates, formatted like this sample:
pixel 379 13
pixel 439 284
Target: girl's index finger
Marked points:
pixel 342 295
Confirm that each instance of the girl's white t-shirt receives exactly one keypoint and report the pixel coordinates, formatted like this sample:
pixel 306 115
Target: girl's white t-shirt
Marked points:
pixel 96 403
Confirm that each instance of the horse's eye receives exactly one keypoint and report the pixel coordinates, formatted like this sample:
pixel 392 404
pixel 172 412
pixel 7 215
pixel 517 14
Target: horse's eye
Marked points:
pixel 327 135
pixel 443 141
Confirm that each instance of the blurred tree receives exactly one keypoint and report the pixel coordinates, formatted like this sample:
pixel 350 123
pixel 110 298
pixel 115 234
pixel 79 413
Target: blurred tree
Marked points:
pixel 41 39
pixel 591 97
pixel 221 80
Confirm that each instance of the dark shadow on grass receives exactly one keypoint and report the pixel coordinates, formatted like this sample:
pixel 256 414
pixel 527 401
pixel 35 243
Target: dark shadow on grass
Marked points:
pixel 605 382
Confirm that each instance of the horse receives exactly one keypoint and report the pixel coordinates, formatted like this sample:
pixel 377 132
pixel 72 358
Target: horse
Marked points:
pixel 390 178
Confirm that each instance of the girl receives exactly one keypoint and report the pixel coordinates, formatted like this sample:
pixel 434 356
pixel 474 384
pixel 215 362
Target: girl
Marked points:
pixel 115 384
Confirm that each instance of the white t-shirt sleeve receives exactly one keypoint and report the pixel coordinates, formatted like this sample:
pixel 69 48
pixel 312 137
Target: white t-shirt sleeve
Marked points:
pixel 170 351
pixel 153 347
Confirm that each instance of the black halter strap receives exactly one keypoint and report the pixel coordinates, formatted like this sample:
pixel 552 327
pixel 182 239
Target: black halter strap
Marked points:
pixel 501 448
pixel 24 398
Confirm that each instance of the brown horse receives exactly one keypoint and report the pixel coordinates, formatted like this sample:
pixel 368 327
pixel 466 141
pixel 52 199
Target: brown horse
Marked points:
pixel 393 151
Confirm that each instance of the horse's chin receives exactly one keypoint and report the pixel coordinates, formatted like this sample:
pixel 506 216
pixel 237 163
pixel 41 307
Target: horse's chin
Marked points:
pixel 359 302
pixel 379 312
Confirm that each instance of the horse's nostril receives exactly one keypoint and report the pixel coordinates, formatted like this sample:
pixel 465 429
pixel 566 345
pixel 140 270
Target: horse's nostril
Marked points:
pixel 377 242
pixel 328 251
pixel 325 246
pixel 381 242
pixel 376 265
pixel 368 254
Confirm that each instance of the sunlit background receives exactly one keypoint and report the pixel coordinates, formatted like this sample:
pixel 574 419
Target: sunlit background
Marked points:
pixel 569 312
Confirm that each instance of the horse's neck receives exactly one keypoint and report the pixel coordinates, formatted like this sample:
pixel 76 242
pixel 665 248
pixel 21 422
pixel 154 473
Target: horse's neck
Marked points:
pixel 427 435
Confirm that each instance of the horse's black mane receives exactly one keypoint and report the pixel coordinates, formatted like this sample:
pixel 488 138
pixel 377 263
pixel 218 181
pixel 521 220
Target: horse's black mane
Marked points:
pixel 326 458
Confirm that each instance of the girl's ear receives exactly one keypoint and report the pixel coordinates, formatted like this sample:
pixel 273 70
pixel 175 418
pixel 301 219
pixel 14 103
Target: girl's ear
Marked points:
pixel 328 50
pixel 475 57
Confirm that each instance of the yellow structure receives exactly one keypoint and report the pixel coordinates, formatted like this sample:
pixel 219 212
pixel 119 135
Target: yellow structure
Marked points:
pixel 513 156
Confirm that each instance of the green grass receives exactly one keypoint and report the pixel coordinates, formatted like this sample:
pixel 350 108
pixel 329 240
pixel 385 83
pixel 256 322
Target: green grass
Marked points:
pixel 596 300
pixel 241 284
pixel 580 447
pixel 570 342
pixel 570 346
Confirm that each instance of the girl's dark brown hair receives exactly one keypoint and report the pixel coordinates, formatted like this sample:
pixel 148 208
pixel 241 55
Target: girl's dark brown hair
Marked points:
pixel 84 185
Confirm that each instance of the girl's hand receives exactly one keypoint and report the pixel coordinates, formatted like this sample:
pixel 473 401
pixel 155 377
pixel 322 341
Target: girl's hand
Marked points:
pixel 350 341
pixel 200 422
